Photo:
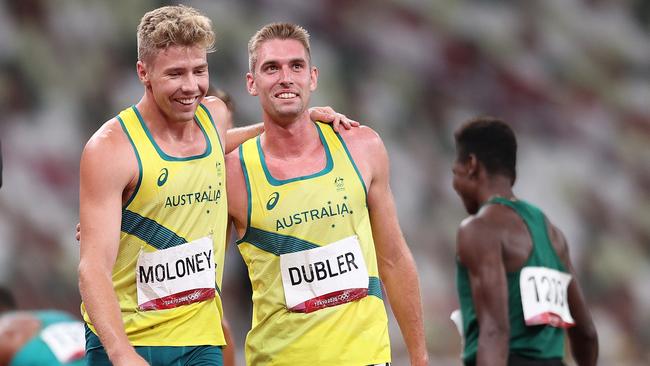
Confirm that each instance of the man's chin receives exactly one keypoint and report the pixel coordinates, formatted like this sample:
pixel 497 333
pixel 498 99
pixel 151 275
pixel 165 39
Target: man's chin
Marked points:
pixel 183 116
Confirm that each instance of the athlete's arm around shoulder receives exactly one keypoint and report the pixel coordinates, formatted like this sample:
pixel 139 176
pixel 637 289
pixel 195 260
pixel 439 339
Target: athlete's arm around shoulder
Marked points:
pixel 108 168
pixel 396 264
pixel 479 249
pixel 583 336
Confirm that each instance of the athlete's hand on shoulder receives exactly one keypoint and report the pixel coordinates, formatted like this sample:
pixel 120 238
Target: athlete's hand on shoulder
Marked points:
pixel 329 115
pixel 78 234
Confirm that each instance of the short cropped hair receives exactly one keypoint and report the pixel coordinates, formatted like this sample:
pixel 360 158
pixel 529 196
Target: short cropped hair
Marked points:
pixel 173 25
pixel 493 143
pixel 277 31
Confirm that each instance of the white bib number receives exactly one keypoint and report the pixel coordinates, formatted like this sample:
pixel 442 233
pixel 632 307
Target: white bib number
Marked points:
pixel 544 297
pixel 66 340
pixel 176 276
pixel 326 276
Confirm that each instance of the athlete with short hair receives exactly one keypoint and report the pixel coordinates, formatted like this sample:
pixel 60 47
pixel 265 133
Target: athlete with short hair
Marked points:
pixel 318 227
pixel 517 287
pixel 153 207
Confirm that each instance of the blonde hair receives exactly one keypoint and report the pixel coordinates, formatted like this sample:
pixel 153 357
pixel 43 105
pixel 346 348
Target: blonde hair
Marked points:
pixel 173 25
pixel 277 31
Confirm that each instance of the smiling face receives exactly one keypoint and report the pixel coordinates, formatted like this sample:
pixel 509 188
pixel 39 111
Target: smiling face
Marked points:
pixel 177 78
pixel 283 79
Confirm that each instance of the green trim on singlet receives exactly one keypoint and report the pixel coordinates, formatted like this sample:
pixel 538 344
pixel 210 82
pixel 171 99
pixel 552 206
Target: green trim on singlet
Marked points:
pixel 354 165
pixel 275 243
pixel 149 231
pixel 278 182
pixel 205 109
pixel 248 194
pixel 162 154
pixel 374 287
pixel 137 156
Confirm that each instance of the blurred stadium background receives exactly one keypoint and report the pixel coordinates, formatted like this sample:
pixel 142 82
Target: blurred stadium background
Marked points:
pixel 571 76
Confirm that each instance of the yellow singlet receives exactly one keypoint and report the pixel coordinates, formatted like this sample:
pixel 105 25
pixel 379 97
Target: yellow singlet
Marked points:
pixel 321 221
pixel 173 237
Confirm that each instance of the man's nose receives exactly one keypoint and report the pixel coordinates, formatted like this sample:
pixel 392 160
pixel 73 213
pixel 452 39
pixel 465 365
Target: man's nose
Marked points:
pixel 190 83
pixel 285 75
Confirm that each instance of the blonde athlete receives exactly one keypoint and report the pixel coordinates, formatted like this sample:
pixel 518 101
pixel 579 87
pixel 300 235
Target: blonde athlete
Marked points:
pixel 317 224
pixel 153 207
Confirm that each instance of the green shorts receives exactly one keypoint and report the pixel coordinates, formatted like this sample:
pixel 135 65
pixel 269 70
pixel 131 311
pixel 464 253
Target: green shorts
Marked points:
pixel 157 355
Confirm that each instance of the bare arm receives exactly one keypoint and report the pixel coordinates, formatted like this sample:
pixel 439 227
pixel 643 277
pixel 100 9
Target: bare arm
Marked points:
pixel 229 353
pixel 479 249
pixel 583 336
pixel 237 136
pixel 237 196
pixel 105 173
pixel 396 264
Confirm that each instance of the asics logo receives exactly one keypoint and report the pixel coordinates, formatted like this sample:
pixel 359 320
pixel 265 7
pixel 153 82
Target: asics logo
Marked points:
pixel 273 200
pixel 164 173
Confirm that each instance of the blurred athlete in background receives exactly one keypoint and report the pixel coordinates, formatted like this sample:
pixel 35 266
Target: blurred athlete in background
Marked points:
pixel 517 287
pixel 38 338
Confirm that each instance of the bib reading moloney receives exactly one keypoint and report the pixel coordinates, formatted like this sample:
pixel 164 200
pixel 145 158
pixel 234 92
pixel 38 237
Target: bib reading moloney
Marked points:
pixel 176 276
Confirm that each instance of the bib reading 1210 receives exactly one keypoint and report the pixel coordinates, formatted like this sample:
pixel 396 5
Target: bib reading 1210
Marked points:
pixel 176 276
pixel 544 297
pixel 330 275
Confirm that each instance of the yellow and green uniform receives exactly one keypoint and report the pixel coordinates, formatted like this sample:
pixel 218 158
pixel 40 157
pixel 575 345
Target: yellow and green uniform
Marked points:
pixel 176 202
pixel 296 215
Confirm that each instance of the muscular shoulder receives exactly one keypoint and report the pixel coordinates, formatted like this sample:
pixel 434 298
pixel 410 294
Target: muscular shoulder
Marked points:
pixel 368 152
pixel 362 139
pixel 109 138
pixel 480 235
pixel 109 150
pixel 218 111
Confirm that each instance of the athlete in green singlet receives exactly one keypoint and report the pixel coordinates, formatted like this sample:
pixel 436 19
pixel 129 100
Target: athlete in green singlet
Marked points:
pixel 38 338
pixel 516 285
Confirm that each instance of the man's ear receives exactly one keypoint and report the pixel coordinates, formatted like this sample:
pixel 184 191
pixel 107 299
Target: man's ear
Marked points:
pixel 143 73
pixel 313 78
pixel 472 166
pixel 250 84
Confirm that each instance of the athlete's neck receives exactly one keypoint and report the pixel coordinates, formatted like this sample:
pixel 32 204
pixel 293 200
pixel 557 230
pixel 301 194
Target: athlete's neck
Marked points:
pixel 495 186
pixel 290 140
pixel 161 127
